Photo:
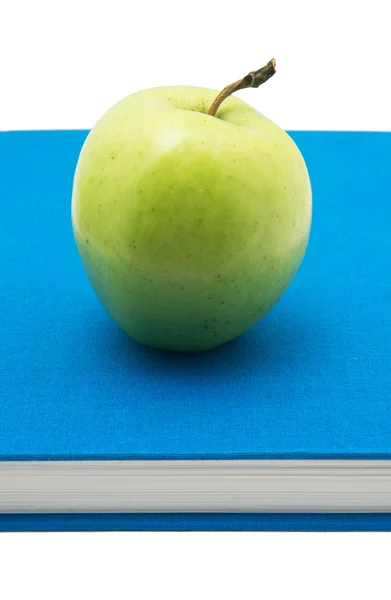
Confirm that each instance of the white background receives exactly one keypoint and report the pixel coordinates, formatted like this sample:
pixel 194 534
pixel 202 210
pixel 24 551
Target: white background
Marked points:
pixel 65 62
pixel 62 65
pixel 195 566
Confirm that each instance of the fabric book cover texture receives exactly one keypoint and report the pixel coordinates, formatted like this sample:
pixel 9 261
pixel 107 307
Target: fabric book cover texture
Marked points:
pixel 312 380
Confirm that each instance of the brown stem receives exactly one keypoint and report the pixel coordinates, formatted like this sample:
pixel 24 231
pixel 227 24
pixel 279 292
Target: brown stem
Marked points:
pixel 253 79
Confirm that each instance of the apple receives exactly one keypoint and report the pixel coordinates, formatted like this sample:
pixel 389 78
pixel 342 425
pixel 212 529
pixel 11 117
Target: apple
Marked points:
pixel 190 225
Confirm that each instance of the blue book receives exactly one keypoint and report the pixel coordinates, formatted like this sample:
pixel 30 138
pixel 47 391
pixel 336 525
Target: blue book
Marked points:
pixel 287 427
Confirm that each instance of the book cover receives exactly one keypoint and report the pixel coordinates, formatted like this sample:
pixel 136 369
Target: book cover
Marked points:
pixel 310 381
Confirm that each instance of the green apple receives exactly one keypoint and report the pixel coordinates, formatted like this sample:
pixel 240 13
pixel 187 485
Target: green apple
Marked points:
pixel 190 226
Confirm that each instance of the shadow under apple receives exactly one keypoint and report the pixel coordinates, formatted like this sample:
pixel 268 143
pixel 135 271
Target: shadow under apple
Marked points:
pixel 276 344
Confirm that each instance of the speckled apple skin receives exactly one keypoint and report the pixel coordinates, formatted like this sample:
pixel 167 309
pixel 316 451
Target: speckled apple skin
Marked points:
pixel 190 227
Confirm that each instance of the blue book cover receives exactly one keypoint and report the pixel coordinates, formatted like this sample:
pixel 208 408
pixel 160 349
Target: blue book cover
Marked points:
pixel 312 381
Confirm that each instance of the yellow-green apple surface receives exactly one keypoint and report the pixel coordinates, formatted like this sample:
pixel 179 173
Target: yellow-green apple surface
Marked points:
pixel 190 226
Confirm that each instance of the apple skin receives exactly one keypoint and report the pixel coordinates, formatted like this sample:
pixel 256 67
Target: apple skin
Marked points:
pixel 190 227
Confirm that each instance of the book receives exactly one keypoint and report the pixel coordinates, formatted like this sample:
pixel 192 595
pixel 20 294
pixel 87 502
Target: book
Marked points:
pixel 286 427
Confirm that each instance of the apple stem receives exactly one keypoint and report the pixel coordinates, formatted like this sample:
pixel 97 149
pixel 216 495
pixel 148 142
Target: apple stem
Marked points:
pixel 253 79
